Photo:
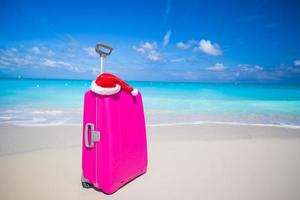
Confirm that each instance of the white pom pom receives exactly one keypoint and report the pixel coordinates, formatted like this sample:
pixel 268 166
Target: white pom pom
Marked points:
pixel 104 91
pixel 134 92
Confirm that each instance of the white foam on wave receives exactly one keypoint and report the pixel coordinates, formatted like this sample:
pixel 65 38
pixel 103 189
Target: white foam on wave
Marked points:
pixel 5 118
pixel 51 124
pixel 47 112
pixel 48 117
pixel 225 123
pixel 30 121
pixel 29 111
pixel 62 123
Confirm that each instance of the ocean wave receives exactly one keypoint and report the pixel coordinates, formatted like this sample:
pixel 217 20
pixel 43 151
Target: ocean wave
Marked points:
pixel 48 117
pixel 21 116
pixel 171 124
pixel 225 123
pixel 47 112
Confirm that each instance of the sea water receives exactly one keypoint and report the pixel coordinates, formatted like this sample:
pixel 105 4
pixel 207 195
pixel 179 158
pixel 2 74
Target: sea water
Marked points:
pixel 33 101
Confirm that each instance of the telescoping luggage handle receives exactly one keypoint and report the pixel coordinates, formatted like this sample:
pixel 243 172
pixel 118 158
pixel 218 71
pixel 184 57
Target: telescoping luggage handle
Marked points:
pixel 95 135
pixel 103 54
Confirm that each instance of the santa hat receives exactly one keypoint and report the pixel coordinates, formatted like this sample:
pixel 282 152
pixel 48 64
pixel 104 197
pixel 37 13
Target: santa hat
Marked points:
pixel 108 84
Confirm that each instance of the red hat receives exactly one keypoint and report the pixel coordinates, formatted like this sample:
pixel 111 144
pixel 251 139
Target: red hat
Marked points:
pixel 108 84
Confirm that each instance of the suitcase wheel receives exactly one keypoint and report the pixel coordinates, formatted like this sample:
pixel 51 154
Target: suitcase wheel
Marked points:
pixel 86 185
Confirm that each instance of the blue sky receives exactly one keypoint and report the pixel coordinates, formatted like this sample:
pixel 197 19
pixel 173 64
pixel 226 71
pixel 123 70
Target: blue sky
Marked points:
pixel 172 40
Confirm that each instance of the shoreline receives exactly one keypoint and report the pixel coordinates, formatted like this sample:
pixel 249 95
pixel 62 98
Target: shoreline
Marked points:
pixel 292 126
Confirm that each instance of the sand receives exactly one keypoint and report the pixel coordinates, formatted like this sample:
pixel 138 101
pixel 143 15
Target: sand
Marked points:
pixel 208 161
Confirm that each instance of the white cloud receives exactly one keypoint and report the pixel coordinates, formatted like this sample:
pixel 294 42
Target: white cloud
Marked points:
pixel 50 63
pixel 177 60
pixel 3 62
pixel 297 62
pixel 149 46
pixel 187 45
pixel 13 57
pixel 149 50
pixel 154 56
pixel 182 45
pixel 207 47
pixel 144 47
pixel 25 57
pixel 139 49
pixel 54 63
pixel 249 68
pixel 22 61
pixel 36 50
pixel 63 63
pixel 90 51
pixel 167 37
pixel 12 52
pixel 217 67
pixel 42 50
pixel 33 57
pixel 14 49
pixel 257 67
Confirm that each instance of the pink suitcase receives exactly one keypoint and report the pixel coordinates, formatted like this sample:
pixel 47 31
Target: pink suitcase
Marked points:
pixel 114 147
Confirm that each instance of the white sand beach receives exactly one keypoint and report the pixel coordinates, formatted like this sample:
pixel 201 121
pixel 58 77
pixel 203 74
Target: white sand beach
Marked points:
pixel 207 161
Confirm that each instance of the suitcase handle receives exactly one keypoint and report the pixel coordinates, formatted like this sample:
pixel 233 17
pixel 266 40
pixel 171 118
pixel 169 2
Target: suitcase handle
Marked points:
pixel 101 52
pixel 95 137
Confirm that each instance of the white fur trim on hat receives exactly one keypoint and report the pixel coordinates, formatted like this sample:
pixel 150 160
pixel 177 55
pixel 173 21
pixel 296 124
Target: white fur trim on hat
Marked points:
pixel 134 92
pixel 104 91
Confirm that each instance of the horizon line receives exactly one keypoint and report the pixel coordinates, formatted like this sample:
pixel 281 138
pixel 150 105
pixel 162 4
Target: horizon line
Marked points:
pixel 159 81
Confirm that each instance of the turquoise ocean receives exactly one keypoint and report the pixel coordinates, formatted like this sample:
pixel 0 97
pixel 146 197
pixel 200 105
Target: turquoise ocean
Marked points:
pixel 31 101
